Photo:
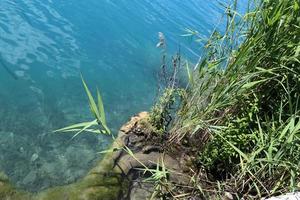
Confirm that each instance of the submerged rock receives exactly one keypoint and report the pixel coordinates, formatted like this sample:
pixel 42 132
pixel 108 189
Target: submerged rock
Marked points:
pixel 3 177
pixel 29 178
pixel 115 176
pixel 34 157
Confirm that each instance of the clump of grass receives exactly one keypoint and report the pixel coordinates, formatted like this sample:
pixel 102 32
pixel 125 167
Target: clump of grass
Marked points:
pixel 98 125
pixel 157 176
pixel 241 104
pixel 161 113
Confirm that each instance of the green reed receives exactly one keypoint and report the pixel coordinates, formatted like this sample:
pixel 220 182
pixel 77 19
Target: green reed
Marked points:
pixel 98 125
pixel 241 104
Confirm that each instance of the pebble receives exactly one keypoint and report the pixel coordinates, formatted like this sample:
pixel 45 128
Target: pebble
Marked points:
pixel 21 149
pixel 34 157
pixel 288 196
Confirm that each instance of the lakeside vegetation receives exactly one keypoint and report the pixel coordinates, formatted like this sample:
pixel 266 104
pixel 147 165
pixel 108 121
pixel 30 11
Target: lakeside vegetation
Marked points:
pixel 238 118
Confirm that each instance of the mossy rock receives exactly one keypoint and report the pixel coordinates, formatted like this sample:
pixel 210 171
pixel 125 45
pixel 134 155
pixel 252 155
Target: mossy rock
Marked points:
pixel 7 192
pixel 103 182
pixel 3 177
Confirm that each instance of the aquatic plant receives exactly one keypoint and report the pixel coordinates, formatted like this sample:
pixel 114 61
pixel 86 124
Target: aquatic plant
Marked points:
pixel 98 125
pixel 239 116
pixel 161 111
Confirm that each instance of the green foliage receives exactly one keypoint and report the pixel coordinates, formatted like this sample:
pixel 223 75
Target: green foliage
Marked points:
pixel 98 125
pixel 162 112
pixel 158 176
pixel 243 101
pixel 160 115
pixel 221 156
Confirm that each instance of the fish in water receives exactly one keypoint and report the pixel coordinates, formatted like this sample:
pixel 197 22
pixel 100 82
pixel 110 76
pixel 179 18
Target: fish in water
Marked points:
pixel 13 75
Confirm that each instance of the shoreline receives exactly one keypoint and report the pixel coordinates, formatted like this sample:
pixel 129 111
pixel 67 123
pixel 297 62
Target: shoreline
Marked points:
pixel 115 176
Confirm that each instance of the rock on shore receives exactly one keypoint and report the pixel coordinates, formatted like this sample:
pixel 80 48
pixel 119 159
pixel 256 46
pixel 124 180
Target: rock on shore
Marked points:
pixel 116 176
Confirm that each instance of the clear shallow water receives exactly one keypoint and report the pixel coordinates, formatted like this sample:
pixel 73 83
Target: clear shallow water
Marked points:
pixel 45 44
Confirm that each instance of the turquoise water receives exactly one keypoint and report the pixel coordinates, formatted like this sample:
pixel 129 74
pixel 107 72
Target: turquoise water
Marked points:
pixel 45 44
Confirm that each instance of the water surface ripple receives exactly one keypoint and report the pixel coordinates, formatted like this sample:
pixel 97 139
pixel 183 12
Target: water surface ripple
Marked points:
pixel 45 44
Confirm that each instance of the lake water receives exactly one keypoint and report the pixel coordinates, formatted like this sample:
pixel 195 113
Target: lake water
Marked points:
pixel 46 44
